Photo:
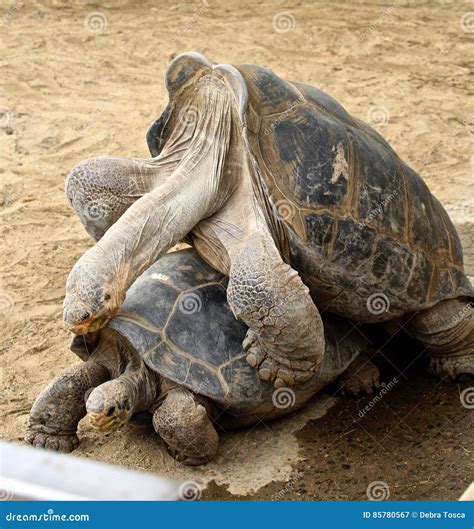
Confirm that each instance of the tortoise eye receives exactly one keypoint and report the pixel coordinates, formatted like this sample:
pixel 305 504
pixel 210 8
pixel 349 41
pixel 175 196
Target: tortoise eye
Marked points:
pixel 85 316
pixel 107 297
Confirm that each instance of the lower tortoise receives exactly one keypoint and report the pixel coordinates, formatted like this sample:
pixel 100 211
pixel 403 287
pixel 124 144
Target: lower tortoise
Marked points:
pixel 175 349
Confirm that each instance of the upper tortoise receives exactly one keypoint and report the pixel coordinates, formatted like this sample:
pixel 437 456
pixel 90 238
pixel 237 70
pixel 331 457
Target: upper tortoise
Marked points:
pixel 304 207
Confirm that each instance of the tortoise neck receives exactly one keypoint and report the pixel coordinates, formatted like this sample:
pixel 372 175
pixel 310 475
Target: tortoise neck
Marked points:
pixel 190 191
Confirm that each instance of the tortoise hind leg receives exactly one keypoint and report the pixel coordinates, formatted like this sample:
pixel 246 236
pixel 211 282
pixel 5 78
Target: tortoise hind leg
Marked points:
pixel 183 422
pixel 447 329
pixel 61 405
pixel 362 377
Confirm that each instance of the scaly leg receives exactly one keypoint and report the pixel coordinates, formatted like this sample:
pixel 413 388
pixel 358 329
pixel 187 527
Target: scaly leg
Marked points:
pixel 362 377
pixel 101 189
pixel 285 341
pixel 448 331
pixel 59 408
pixel 183 422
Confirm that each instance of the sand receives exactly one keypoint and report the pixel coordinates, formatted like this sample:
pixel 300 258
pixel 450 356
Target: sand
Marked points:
pixel 81 78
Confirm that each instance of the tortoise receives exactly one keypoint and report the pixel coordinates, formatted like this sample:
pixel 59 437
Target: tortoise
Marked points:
pixel 175 349
pixel 304 207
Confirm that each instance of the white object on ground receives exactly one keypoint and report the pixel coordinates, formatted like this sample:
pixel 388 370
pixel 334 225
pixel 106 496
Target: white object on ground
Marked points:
pixel 35 474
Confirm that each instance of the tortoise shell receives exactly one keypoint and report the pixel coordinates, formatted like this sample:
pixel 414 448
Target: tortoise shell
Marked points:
pixel 349 214
pixel 176 316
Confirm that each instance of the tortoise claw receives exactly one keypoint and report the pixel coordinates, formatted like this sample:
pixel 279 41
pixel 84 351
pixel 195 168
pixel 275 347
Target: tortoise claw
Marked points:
pixel 255 357
pixel 249 341
pixel 59 443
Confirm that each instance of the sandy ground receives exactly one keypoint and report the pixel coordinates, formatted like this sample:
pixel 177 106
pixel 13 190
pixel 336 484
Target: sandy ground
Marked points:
pixel 80 78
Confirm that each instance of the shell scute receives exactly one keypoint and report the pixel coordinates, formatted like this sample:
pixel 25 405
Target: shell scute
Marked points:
pixel 380 189
pixel 268 91
pixel 319 232
pixel 200 317
pixel 152 310
pixel 308 157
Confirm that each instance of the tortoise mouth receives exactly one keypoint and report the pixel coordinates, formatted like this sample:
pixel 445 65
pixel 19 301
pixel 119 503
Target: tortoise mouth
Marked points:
pixel 105 423
pixel 91 324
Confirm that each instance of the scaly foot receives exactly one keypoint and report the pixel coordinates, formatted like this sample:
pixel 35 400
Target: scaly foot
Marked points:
pixel 60 443
pixel 361 378
pixel 455 367
pixel 272 368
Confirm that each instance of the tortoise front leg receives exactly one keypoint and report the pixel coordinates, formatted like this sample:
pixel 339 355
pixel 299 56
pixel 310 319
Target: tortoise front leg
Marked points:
pixel 61 405
pixel 183 422
pixel 102 188
pixel 285 341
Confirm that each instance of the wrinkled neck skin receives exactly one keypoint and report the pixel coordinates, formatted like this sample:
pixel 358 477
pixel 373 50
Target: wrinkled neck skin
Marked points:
pixel 188 186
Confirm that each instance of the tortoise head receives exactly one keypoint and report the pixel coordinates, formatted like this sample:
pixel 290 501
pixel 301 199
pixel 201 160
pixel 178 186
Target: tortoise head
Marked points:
pixel 94 295
pixel 109 405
